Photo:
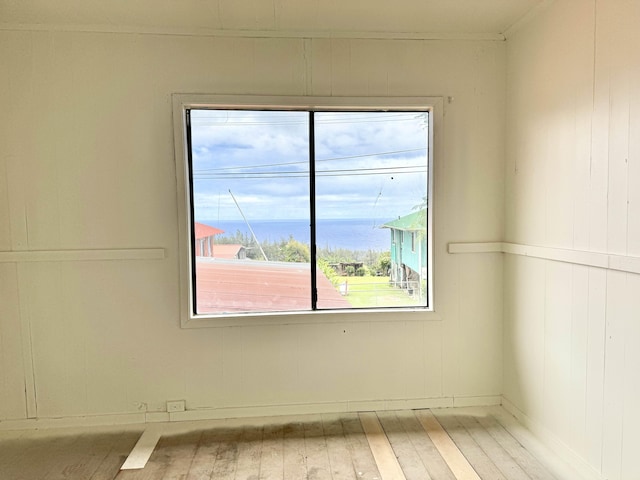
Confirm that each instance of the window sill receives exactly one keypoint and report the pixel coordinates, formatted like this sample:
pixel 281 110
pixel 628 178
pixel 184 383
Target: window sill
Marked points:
pixel 316 317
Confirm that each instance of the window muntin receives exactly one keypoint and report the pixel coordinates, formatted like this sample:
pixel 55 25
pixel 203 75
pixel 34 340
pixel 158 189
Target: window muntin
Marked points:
pixel 422 289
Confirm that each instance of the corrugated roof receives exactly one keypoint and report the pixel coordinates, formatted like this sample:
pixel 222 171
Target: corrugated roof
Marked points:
pixel 413 222
pixel 202 231
pixel 228 251
pixel 232 286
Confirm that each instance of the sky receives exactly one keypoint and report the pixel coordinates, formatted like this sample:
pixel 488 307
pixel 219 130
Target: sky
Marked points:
pixel 368 164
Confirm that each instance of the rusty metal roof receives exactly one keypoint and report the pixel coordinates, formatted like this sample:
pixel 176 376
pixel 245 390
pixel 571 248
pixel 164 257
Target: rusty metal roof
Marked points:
pixel 202 231
pixel 234 286
pixel 226 250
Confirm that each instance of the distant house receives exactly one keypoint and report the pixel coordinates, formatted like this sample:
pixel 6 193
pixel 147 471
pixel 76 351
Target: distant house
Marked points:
pixel 229 251
pixel 408 250
pixel 204 239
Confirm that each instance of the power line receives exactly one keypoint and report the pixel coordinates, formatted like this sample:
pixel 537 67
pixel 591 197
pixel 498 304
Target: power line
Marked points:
pixel 306 162
pixel 285 172
pixel 302 175
pixel 324 118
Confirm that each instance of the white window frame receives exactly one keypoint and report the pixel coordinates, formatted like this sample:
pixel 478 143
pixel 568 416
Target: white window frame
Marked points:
pixel 184 102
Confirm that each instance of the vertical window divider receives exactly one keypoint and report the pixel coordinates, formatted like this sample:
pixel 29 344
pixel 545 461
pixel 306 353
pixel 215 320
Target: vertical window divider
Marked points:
pixel 312 211
pixel 192 239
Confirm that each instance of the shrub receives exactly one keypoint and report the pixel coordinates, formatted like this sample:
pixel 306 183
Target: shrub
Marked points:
pixel 329 272
pixel 384 263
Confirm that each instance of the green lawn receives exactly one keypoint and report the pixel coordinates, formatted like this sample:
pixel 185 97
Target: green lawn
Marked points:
pixel 375 292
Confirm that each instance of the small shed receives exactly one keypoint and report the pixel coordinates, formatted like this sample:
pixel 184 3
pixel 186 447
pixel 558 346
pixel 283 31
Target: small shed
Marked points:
pixel 231 251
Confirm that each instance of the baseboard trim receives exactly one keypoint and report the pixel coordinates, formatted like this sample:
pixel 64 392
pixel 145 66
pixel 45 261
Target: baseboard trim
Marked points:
pixel 70 422
pixel 250 411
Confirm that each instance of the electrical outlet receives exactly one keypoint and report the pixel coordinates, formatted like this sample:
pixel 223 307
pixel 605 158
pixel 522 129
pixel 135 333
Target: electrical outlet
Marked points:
pixel 176 406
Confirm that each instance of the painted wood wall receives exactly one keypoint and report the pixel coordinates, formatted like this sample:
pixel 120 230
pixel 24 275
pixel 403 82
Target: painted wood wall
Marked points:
pixel 87 169
pixel 572 332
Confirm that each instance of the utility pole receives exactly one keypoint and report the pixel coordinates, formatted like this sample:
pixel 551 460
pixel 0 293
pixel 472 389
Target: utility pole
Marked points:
pixel 250 229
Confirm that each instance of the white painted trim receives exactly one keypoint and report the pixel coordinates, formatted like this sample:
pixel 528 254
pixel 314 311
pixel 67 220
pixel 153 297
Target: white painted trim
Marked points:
pixel 334 407
pixel 239 33
pixel 488 247
pixel 579 257
pixel 621 263
pixel 156 417
pixel 67 422
pixel 181 102
pixel 624 263
pixel 308 409
pixel 82 255
pixel 368 315
pixel 256 411
pixel 477 401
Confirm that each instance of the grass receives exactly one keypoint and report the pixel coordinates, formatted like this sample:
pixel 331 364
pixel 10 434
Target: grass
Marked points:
pixel 375 292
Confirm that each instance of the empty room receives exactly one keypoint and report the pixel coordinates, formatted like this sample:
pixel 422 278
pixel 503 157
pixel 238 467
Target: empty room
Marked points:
pixel 306 239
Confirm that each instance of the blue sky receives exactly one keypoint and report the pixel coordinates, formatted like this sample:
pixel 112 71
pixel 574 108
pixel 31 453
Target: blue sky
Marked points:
pixel 368 164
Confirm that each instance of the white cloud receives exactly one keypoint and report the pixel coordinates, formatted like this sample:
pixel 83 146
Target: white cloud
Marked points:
pixel 269 149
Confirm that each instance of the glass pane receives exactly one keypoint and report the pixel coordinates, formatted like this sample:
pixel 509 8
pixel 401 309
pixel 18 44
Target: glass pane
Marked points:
pixel 371 207
pixel 251 210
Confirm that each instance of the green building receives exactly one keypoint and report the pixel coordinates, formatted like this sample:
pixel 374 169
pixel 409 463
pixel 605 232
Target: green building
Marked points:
pixel 408 250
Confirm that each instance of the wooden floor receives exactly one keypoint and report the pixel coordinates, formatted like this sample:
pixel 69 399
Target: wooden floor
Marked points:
pixel 443 444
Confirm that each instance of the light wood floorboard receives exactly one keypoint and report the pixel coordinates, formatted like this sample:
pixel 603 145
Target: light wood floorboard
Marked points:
pixel 406 453
pixel 429 455
pixel 49 455
pixel 499 456
pixel 313 447
pixel 477 458
pixel 364 464
pixel 316 454
pixel 204 459
pixel 521 455
pixel 381 448
pixel 340 460
pixel 295 464
pixel 272 458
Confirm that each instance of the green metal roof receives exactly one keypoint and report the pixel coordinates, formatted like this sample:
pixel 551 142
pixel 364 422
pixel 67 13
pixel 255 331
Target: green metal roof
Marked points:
pixel 413 222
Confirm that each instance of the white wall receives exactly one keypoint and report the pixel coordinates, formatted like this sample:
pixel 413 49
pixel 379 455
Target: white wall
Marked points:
pixel 572 331
pixel 86 162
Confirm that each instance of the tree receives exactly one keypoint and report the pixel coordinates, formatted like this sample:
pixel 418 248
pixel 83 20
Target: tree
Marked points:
pixel 384 263
pixel 295 251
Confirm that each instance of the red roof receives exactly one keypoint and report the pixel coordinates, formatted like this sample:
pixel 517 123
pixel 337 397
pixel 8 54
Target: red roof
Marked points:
pixel 202 231
pixel 232 286
pixel 228 251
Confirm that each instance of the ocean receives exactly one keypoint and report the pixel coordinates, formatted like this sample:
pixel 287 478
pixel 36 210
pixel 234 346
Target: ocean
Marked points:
pixel 358 234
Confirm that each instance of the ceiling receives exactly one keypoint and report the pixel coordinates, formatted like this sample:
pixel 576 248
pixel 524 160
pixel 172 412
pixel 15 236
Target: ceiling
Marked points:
pixel 323 17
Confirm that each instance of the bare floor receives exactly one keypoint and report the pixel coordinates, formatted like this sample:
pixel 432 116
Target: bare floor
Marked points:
pixel 447 444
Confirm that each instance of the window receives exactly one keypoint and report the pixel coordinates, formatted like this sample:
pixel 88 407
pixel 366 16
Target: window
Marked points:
pixel 295 208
